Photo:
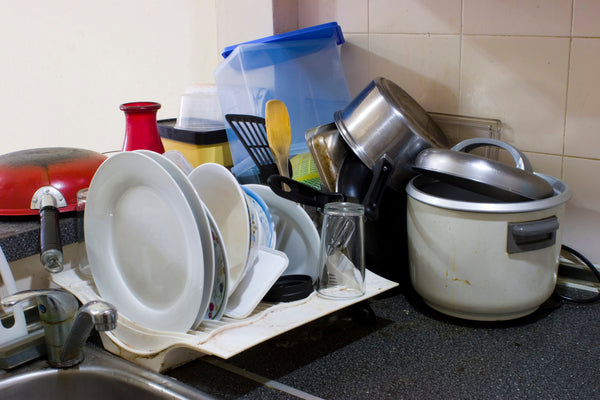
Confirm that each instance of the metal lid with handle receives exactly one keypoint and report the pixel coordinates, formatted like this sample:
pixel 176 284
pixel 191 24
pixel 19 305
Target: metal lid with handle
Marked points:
pixel 482 175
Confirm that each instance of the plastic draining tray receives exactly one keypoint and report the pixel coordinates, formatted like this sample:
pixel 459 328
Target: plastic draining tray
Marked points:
pixel 161 351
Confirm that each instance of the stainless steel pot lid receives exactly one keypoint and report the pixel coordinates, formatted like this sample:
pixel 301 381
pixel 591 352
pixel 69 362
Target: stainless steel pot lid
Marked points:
pixel 481 175
pixel 431 191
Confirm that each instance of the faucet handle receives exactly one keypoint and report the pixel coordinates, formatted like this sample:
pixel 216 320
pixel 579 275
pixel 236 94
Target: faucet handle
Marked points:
pixel 102 314
pixel 54 305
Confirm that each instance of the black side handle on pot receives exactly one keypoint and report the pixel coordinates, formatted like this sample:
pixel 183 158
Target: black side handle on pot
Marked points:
pixel 50 244
pixel 48 199
pixel 382 172
pixel 302 193
pixel 307 195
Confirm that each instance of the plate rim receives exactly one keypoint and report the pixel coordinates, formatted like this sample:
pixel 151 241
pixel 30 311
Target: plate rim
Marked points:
pixel 199 210
pixel 221 312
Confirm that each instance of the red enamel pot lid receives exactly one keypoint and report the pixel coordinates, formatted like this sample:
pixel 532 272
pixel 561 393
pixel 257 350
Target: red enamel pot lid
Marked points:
pixel 66 169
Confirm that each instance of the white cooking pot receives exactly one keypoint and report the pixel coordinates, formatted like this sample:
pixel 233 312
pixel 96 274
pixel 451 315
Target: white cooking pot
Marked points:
pixel 479 258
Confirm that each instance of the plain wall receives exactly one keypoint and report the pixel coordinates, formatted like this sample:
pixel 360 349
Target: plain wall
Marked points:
pixel 67 65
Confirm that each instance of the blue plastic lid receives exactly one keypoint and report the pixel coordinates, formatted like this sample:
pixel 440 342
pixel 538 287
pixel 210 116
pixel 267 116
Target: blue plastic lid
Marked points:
pixel 323 31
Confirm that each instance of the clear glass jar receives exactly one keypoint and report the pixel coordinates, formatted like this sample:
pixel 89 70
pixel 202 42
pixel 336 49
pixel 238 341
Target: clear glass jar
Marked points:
pixel 342 253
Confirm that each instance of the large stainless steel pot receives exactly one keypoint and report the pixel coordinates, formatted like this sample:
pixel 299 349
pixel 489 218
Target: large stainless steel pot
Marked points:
pixel 384 120
pixel 480 258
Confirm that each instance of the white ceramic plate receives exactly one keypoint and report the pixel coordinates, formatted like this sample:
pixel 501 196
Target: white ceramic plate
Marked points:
pixel 296 235
pixel 218 298
pixel 177 158
pixel 225 199
pixel 143 243
pixel 261 212
pixel 202 220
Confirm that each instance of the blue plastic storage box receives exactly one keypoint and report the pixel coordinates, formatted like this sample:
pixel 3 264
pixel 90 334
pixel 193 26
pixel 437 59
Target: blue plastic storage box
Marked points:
pixel 303 71
pixel 330 30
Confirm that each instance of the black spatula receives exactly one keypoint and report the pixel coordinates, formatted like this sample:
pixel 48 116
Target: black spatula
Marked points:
pixel 251 130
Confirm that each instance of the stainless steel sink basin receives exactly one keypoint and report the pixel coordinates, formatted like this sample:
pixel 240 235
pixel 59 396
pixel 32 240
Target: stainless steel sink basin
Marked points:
pixel 100 376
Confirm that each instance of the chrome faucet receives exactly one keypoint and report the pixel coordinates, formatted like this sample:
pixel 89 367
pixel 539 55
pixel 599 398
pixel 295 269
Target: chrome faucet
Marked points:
pixel 66 326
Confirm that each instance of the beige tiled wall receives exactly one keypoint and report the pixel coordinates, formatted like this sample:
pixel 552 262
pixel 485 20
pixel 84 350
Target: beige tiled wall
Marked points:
pixel 533 64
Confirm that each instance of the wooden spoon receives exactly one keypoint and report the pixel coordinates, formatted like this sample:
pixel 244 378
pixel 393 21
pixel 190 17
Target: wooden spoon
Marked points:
pixel 279 134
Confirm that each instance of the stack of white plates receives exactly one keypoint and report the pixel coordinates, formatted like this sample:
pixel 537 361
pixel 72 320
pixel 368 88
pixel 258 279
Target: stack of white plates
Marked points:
pixel 171 250
pixel 151 244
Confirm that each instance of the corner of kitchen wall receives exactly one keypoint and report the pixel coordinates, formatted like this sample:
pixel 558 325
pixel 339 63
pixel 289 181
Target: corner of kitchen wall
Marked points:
pixel 285 16
pixel 239 21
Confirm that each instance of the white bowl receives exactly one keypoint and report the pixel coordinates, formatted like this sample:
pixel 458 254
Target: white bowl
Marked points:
pixel 296 234
pixel 226 201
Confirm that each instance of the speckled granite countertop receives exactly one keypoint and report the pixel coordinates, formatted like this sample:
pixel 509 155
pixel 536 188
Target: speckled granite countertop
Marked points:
pixel 413 352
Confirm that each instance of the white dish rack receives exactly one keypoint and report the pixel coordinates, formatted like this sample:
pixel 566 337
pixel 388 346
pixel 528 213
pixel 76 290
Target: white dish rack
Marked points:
pixel 161 351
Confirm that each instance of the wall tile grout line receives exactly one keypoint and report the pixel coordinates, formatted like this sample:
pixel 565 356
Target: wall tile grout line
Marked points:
pixel 566 108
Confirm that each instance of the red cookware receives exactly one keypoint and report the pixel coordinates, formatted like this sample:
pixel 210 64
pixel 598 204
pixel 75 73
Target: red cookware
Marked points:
pixel 45 181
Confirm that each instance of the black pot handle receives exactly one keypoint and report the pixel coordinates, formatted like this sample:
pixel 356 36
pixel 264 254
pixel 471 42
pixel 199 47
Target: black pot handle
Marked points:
pixel 48 200
pixel 382 171
pixel 51 254
pixel 302 193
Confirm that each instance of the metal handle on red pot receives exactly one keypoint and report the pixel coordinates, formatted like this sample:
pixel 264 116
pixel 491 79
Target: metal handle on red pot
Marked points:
pixel 48 199
pixel 521 160
pixel 532 235
pixel 51 254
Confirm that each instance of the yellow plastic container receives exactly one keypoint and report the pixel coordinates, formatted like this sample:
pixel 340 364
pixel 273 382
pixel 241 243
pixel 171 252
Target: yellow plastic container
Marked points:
pixel 197 147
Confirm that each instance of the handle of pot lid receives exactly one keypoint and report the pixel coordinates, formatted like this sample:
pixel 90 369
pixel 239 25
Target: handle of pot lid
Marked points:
pixel 302 193
pixel 521 160
pixel 531 235
pixel 382 171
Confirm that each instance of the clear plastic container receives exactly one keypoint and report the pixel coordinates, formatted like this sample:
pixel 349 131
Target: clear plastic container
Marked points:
pixel 307 75
pixel 199 109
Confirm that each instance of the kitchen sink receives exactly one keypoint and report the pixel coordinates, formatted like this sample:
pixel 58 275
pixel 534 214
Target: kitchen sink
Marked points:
pixel 100 376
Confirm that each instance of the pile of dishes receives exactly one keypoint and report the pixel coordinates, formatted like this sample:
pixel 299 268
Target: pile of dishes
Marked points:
pixel 171 249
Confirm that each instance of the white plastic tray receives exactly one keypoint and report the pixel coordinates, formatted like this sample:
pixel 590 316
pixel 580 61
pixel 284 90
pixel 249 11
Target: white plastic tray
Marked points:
pixel 161 351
